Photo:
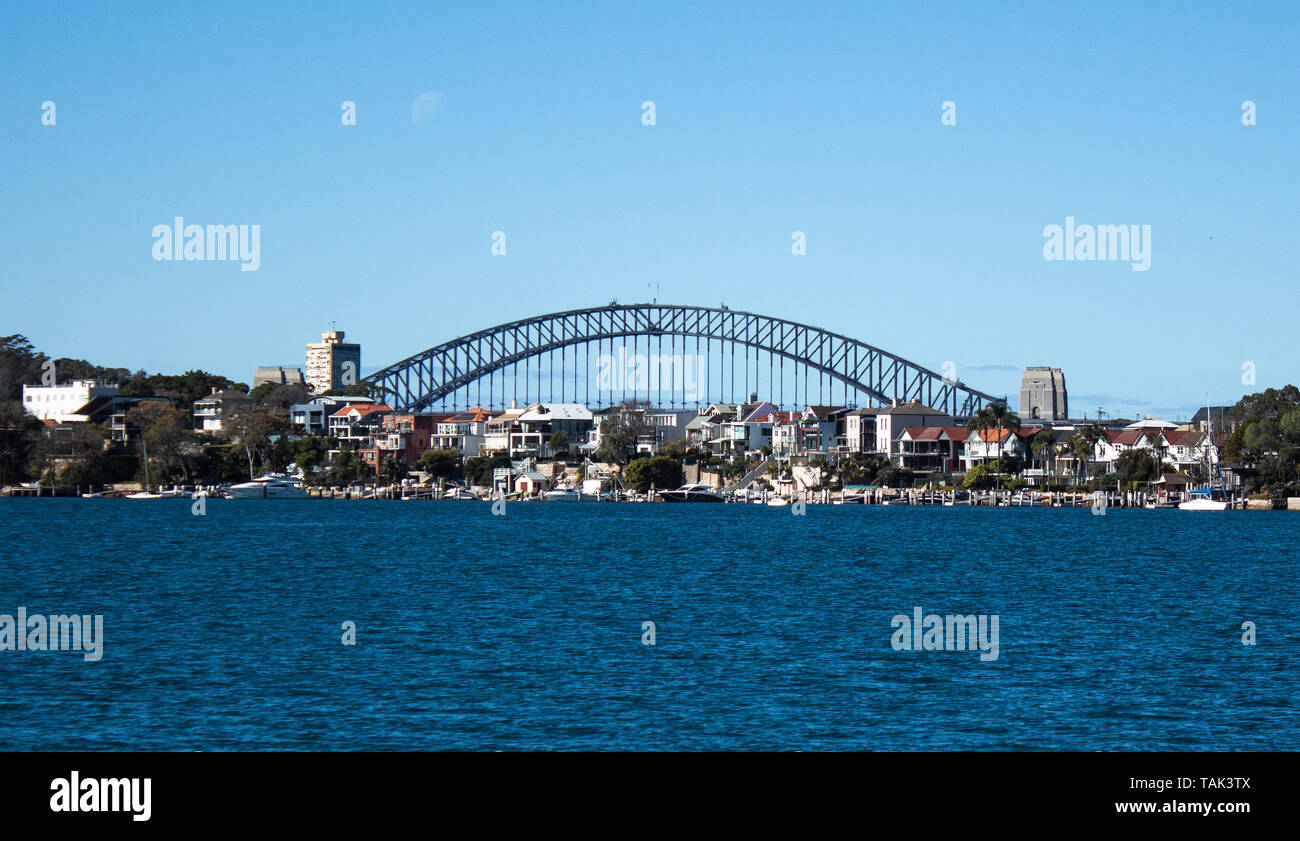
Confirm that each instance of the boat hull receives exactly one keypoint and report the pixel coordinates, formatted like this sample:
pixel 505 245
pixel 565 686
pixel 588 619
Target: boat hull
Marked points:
pixel 1203 505
pixel 678 496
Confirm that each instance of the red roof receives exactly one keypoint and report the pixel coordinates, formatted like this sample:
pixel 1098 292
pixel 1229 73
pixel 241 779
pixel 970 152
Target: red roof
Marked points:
pixel 362 409
pixel 956 433
pixel 923 433
pixel 1127 437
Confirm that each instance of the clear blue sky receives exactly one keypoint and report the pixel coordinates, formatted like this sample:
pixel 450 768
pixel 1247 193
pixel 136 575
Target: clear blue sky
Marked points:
pixel 923 239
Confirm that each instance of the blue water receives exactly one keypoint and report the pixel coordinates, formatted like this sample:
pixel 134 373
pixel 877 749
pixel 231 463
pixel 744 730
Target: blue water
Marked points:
pixel 223 632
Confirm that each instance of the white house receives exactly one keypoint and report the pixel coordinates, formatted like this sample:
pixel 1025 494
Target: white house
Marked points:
pixel 59 403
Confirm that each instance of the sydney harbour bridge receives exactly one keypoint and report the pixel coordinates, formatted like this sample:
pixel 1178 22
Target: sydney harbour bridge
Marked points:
pixel 668 356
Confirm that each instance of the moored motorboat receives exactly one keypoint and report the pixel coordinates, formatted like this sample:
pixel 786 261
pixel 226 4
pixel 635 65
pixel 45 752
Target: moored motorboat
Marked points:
pixel 270 486
pixel 691 493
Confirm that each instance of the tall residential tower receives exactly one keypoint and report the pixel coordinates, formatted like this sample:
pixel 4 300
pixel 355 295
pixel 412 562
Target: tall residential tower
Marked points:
pixel 332 363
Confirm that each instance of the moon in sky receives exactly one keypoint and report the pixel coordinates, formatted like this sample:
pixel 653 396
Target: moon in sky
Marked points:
pixel 426 106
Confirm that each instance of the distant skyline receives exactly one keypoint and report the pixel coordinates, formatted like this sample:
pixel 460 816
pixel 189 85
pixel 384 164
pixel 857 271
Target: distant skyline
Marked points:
pixel 922 238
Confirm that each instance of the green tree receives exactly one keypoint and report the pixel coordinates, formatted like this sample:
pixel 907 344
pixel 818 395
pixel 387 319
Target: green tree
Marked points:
pixel 393 470
pixel 308 452
pixel 347 467
pixel 1078 447
pixel 478 469
pixel 255 432
pixel 1136 466
pixel 660 472
pixel 1044 446
pixel 859 469
pixel 440 464
pixel 979 477
pixel 1156 442
pixel 619 433
pixel 559 444
pixel 1092 433
pixel 20 432
pixel 20 364
pixel 80 449
pixel 164 433
pixel 994 416
pixel 276 398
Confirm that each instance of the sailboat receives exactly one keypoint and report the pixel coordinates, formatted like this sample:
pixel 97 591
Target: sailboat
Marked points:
pixel 144 494
pixel 1203 499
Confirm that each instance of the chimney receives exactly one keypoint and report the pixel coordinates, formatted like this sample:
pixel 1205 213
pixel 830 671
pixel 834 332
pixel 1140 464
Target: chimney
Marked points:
pixel 893 403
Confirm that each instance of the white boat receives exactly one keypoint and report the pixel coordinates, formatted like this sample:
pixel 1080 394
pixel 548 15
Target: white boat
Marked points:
pixel 563 494
pixel 692 493
pixel 144 495
pixel 1204 504
pixel 270 486
pixel 460 494
pixel 777 501
pixel 1203 500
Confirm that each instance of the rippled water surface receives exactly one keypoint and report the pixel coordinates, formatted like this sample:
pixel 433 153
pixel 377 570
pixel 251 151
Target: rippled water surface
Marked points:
pixel 524 631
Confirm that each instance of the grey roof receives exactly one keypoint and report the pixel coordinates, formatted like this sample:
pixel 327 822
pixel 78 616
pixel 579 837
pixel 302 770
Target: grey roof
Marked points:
pixel 1215 411
pixel 911 407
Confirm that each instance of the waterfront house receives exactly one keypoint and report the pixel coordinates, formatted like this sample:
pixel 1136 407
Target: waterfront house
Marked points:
pixel 824 430
pixel 860 430
pixel 703 429
pixel 933 449
pixel 984 445
pixel 355 424
pixel 751 430
pixel 212 413
pixel 465 432
pixel 499 428
pixel 893 419
pixel 924 449
pixel 787 428
pixel 61 403
pixel 405 437
pixel 660 427
pixel 109 412
pixel 1186 449
pixel 312 417
pixel 1116 443
pixel 538 422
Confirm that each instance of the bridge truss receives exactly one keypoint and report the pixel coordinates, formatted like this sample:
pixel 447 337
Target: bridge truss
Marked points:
pixel 549 358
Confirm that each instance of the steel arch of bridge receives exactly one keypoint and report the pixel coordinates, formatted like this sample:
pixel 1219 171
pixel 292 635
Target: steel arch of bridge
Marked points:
pixel 422 380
